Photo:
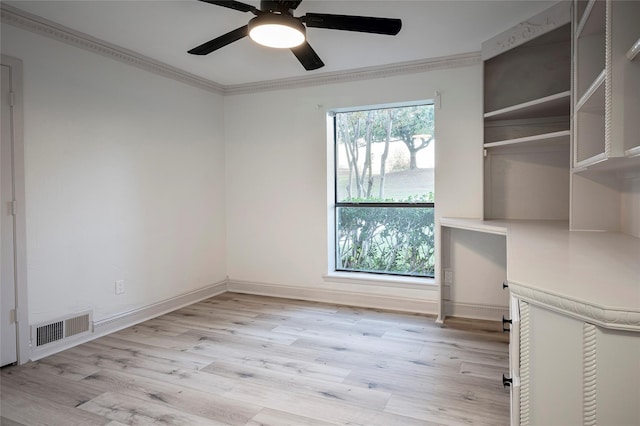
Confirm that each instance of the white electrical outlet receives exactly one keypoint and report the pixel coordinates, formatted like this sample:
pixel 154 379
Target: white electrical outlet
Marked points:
pixel 448 277
pixel 120 287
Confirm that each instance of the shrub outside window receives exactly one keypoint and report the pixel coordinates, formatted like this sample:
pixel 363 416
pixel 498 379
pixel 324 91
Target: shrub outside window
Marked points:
pixel 384 190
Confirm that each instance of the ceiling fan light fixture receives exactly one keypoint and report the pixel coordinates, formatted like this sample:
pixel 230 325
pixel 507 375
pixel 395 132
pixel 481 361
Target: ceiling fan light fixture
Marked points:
pixel 275 30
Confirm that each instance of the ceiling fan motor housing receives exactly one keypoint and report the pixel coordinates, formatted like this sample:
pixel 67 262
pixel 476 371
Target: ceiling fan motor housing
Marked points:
pixel 277 30
pixel 285 7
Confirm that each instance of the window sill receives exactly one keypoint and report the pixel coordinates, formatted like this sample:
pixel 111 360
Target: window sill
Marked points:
pixel 376 279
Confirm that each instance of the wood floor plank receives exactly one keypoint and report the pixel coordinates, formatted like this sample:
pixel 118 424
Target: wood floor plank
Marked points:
pixel 330 410
pixel 30 410
pixel 480 413
pixel 129 410
pixel 182 342
pixel 181 359
pixel 225 342
pixel 357 345
pixel 62 367
pixel 268 417
pixel 199 403
pixel 8 422
pixel 56 389
pixel 280 364
pixel 485 371
pixel 252 360
pixel 299 384
pixel 191 379
pixel 429 386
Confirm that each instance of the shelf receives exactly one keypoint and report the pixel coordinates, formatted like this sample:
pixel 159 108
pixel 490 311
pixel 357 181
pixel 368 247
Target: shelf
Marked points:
pixel 632 152
pixel 593 89
pixel 600 163
pixel 553 105
pixel 593 19
pixel 633 52
pixel 552 138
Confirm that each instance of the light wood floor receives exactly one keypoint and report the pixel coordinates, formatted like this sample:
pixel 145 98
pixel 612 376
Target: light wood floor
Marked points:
pixel 250 360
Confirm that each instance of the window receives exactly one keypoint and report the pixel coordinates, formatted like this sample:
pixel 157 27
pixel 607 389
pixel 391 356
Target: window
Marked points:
pixel 384 190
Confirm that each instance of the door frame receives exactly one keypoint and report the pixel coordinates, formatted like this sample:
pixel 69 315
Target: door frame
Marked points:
pixel 20 246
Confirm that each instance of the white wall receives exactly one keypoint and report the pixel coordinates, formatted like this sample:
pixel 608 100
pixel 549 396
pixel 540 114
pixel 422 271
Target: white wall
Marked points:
pixel 124 180
pixel 277 174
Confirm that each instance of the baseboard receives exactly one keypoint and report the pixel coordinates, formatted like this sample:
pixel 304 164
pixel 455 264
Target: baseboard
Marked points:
pixel 339 297
pixel 136 316
pixel 483 312
pixel 350 298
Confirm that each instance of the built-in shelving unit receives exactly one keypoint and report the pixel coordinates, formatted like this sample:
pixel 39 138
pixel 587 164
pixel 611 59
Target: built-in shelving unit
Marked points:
pixel 605 77
pixel 606 116
pixel 527 124
pixel 562 141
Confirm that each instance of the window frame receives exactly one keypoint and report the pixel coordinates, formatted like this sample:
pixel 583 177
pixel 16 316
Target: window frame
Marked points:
pixel 368 204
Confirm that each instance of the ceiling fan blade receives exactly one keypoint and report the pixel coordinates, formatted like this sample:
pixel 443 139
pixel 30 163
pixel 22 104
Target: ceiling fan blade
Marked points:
pixel 231 4
pixel 307 57
pixel 222 41
pixel 363 24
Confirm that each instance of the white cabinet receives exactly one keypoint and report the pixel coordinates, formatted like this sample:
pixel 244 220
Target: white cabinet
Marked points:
pixel 613 389
pixel 572 372
pixel 574 347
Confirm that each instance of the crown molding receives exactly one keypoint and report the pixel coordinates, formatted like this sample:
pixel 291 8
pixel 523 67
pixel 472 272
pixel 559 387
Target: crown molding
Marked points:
pixel 384 71
pixel 27 21
pixel 547 20
pixel 44 27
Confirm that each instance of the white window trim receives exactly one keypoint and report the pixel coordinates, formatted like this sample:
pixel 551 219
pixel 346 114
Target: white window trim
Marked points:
pixel 362 278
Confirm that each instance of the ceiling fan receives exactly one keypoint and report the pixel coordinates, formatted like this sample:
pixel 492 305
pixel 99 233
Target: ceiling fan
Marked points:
pixel 275 26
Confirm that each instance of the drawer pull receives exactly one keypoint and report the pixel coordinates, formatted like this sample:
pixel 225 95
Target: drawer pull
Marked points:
pixel 505 285
pixel 506 382
pixel 505 321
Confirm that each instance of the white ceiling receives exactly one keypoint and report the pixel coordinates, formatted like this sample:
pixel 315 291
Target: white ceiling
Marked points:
pixel 165 30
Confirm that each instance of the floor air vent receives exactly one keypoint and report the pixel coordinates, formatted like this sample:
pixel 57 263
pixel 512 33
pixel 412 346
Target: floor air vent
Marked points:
pixel 49 333
pixel 60 329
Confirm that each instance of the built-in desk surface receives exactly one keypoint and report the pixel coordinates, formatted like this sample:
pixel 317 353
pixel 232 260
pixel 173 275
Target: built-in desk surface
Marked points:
pixel 594 276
